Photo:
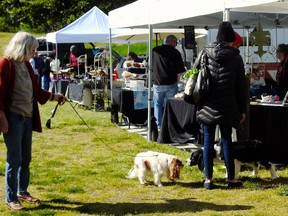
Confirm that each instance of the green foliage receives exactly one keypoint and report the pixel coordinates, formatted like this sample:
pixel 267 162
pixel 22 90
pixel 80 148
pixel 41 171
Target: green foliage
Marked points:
pixel 193 72
pixel 47 16
pixel 139 48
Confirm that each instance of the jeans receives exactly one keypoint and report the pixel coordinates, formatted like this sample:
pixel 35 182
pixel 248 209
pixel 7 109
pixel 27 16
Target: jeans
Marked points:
pixel 226 143
pixel 46 82
pixel 18 141
pixel 160 95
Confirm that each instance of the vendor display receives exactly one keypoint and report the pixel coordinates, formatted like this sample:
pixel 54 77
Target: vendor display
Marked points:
pixel 134 75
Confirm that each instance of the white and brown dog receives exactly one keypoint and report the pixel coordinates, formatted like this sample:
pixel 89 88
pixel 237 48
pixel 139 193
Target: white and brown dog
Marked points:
pixel 159 164
pixel 246 152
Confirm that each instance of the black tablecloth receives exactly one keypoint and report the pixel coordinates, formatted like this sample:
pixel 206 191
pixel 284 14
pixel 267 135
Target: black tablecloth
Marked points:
pixel 179 122
pixel 125 101
pixel 60 86
pixel 269 124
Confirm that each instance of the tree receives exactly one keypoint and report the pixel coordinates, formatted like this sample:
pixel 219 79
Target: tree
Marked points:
pixel 42 16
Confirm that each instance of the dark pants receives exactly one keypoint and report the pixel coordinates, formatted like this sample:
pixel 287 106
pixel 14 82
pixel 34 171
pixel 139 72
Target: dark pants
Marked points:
pixel 226 142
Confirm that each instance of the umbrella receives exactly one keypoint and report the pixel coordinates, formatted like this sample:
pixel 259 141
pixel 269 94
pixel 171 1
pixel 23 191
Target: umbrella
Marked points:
pixel 48 123
pixel 158 34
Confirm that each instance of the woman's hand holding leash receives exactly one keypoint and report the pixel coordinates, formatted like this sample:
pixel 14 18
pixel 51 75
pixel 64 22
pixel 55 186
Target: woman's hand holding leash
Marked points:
pixel 58 97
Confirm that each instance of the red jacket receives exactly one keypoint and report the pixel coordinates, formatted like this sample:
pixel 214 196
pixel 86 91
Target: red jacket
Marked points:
pixel 7 81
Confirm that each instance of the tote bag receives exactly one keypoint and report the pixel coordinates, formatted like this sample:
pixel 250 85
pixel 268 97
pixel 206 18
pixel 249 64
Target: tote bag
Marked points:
pixel 197 87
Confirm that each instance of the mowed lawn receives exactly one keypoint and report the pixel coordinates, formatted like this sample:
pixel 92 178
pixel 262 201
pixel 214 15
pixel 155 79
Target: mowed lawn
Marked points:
pixel 79 169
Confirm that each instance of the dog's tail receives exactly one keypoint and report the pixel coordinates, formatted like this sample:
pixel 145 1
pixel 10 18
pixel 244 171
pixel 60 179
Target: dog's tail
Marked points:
pixel 132 173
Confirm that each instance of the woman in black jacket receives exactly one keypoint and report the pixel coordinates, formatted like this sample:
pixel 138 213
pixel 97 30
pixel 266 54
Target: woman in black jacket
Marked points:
pixel 225 105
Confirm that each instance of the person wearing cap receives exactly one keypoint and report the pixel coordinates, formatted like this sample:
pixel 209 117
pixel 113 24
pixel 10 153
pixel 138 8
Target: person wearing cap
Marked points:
pixel 226 103
pixel 167 65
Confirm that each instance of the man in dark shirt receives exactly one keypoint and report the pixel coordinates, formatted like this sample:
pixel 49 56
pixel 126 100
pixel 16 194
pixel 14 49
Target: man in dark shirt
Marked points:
pixel 167 65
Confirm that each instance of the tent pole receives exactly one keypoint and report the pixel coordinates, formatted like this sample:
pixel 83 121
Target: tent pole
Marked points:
pixel 149 82
pixel 111 65
pixel 226 14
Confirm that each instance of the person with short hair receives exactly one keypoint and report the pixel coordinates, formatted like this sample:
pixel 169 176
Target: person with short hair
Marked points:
pixel 20 94
pixel 167 65
pixel 133 57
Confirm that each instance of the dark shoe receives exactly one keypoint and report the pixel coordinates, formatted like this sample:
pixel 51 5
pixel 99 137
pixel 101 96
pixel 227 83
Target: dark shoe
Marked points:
pixel 208 185
pixel 28 198
pixel 237 184
pixel 15 206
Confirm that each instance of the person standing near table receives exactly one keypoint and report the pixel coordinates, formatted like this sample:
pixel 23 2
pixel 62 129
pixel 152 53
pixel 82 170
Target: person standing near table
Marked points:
pixel 46 79
pixel 167 65
pixel 282 71
pixel 20 94
pixel 226 103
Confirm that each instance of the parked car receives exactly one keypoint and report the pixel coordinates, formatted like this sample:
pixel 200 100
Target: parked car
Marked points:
pixel 43 49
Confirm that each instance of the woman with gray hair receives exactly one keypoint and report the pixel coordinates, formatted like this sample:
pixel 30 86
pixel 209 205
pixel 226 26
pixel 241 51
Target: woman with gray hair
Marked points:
pixel 19 115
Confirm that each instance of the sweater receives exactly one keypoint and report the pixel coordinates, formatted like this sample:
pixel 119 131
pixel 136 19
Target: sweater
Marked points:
pixel 7 81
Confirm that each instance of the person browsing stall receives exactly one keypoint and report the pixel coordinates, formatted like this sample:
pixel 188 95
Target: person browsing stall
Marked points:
pixel 133 57
pixel 225 104
pixel 46 79
pixel 167 65
pixel 19 115
pixel 282 71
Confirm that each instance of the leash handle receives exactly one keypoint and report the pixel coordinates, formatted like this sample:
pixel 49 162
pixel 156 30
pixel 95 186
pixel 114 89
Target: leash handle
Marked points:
pixel 55 109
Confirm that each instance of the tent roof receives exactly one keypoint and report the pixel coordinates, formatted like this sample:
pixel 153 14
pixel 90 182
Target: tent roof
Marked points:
pixel 160 34
pixel 145 12
pixel 90 27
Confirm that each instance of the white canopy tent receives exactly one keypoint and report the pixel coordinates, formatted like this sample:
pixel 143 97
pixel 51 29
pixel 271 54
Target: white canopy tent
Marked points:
pixel 207 13
pixel 204 14
pixel 90 27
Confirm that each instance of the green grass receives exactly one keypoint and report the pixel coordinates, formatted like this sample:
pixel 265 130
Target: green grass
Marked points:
pixel 80 171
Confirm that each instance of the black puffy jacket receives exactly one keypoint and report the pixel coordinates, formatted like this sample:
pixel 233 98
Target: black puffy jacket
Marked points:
pixel 227 98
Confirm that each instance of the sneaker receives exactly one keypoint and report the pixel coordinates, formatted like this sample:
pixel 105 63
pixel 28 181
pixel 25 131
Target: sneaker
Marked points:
pixel 15 206
pixel 208 185
pixel 28 198
pixel 237 184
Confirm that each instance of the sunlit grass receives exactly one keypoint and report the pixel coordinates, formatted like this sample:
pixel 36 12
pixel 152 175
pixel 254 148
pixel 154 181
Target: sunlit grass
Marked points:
pixel 78 170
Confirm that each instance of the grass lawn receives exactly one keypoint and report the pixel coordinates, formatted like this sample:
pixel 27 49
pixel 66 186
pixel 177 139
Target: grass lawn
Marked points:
pixel 78 171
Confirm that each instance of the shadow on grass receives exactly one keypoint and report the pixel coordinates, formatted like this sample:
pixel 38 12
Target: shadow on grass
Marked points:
pixel 170 206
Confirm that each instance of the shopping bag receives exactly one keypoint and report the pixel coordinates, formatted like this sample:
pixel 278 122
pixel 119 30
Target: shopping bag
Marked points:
pixel 197 85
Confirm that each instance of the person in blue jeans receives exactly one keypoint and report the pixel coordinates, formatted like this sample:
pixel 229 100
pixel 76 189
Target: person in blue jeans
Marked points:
pixel 167 65
pixel 225 104
pixel 20 94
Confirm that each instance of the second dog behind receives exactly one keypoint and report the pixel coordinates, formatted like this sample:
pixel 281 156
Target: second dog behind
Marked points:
pixel 157 163
pixel 248 152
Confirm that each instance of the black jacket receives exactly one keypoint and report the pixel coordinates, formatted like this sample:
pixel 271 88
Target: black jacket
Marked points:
pixel 227 98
